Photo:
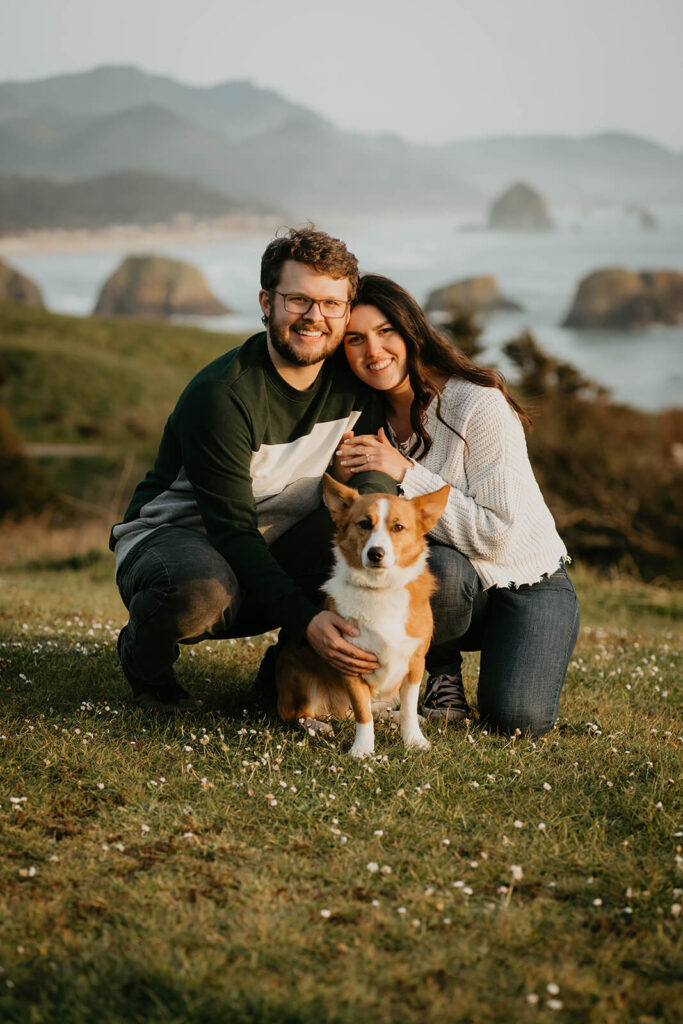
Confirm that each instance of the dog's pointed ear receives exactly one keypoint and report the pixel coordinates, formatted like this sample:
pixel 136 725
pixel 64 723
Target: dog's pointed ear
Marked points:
pixel 429 507
pixel 338 497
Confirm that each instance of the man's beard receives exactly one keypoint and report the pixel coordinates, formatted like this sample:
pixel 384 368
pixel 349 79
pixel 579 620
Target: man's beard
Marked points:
pixel 279 337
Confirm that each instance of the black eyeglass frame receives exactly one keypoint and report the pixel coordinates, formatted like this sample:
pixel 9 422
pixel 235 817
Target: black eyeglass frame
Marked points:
pixel 312 303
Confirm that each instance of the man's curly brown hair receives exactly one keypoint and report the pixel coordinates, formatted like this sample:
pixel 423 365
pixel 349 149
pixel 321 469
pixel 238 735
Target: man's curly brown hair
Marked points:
pixel 316 249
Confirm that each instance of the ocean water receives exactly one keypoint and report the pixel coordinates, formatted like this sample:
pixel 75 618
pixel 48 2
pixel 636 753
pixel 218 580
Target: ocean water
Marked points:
pixel 642 367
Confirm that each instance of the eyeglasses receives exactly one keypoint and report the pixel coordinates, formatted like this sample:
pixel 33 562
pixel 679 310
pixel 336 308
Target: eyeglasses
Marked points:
pixel 330 308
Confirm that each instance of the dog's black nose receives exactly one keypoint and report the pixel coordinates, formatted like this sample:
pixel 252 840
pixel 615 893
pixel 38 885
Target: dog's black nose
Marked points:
pixel 376 555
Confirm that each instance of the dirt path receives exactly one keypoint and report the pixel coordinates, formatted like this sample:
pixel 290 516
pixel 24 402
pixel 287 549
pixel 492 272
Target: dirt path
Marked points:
pixel 63 451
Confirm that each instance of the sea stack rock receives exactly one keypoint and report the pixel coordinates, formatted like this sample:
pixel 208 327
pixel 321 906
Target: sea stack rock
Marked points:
pixel 616 297
pixel 16 287
pixel 153 286
pixel 520 208
pixel 645 218
pixel 472 295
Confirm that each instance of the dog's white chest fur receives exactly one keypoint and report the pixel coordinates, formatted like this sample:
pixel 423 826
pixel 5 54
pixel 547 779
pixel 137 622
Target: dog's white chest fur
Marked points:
pixel 381 614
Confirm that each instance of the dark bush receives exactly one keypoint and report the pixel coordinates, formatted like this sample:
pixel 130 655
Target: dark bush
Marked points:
pixel 612 475
pixel 24 490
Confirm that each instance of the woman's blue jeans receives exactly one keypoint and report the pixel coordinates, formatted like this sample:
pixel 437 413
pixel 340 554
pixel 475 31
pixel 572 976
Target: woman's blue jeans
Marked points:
pixel 526 636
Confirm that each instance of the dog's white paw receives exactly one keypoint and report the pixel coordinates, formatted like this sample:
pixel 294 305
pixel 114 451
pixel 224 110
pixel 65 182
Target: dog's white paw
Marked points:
pixel 418 742
pixel 315 727
pixel 360 752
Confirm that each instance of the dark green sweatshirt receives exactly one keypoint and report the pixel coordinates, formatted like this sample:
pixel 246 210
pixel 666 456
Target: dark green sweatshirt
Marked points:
pixel 241 459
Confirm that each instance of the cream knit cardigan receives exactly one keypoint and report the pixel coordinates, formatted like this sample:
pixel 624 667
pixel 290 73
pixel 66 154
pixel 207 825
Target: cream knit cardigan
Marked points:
pixel 495 514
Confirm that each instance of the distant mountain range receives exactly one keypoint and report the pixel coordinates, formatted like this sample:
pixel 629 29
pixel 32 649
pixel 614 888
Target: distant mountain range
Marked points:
pixel 256 147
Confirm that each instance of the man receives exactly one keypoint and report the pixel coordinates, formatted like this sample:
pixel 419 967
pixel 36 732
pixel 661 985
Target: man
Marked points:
pixel 226 535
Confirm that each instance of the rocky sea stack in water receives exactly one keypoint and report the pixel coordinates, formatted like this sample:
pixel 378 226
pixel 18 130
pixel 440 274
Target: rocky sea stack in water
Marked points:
pixel 520 208
pixel 472 295
pixel 616 297
pixel 153 286
pixel 16 287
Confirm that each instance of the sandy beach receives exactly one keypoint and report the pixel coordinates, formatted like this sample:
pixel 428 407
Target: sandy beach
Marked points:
pixel 137 238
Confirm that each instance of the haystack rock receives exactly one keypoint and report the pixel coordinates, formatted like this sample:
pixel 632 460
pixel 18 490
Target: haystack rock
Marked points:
pixel 645 218
pixel 153 286
pixel 520 208
pixel 473 295
pixel 616 297
pixel 16 287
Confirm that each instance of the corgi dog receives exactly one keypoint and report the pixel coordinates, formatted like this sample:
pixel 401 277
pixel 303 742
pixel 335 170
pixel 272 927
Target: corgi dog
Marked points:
pixel 381 583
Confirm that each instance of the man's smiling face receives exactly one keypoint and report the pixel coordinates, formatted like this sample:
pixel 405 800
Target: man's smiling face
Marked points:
pixel 304 339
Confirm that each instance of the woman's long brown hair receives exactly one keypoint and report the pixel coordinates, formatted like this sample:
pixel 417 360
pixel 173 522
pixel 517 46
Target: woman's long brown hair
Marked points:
pixel 427 350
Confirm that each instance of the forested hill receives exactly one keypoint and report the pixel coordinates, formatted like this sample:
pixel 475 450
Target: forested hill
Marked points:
pixel 126 197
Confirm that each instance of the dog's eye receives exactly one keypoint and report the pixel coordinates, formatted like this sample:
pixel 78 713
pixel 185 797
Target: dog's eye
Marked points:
pixel 397 527
pixel 365 524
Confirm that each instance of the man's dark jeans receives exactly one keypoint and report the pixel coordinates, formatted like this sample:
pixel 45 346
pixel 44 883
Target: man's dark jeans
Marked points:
pixel 526 636
pixel 179 590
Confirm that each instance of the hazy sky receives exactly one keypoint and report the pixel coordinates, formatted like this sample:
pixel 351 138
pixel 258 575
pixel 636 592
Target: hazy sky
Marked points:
pixel 429 70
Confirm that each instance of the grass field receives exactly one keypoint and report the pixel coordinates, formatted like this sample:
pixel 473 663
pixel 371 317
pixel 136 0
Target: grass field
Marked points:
pixel 84 379
pixel 105 387
pixel 224 868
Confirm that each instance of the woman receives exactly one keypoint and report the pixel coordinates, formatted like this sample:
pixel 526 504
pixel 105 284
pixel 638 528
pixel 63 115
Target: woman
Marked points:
pixel 497 556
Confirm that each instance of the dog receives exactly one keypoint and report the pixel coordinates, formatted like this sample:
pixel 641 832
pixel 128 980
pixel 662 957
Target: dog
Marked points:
pixel 381 583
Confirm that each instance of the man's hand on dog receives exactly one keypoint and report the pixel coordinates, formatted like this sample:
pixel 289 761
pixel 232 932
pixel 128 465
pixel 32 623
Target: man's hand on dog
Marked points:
pixel 325 634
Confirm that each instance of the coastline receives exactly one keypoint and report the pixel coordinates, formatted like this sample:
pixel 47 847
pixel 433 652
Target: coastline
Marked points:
pixel 136 237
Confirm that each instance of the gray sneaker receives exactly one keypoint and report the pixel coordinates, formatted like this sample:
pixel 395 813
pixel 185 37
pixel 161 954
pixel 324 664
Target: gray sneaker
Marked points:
pixel 445 698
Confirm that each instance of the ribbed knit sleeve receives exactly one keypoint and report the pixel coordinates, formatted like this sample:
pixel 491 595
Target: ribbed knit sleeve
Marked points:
pixel 495 514
pixel 481 523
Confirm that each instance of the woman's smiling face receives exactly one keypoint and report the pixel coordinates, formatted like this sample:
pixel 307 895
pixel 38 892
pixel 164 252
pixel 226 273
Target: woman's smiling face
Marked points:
pixel 375 350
